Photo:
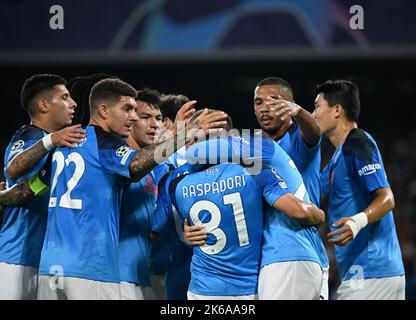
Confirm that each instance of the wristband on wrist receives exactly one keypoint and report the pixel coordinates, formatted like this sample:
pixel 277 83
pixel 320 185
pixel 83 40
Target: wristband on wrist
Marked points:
pixel 47 142
pixel 359 221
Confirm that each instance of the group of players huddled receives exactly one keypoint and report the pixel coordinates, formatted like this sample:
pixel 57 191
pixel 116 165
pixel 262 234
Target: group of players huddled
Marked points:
pixel 114 193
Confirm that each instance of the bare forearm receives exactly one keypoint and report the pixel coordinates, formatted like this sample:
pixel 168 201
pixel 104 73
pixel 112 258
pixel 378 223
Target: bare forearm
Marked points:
pixel 313 215
pixel 304 212
pixel 16 195
pixel 309 129
pixel 26 160
pixel 149 157
pixel 142 163
pixel 381 204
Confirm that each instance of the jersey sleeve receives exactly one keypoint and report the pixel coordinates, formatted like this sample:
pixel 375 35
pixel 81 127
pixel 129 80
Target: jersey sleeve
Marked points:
pixel 115 155
pixel 364 162
pixel 163 209
pixel 271 184
pixel 302 154
pixel 23 140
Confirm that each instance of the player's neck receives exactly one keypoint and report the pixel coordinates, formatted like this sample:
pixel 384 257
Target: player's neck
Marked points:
pixel 43 124
pixel 281 132
pixel 99 123
pixel 132 143
pixel 340 133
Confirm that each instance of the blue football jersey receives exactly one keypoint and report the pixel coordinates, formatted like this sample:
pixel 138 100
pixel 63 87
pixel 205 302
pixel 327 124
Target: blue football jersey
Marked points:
pixel 177 159
pixel 82 234
pixel 23 229
pixel 178 275
pixel 354 172
pixel 284 238
pixel 308 161
pixel 138 204
pixel 228 202
pixel 160 249
pixel 168 224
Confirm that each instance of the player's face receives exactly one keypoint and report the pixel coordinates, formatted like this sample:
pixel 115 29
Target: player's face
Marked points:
pixel 265 117
pixel 61 107
pixel 122 115
pixel 147 128
pixel 324 115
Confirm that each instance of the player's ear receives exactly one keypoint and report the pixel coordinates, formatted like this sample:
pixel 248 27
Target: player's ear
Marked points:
pixel 338 111
pixel 167 123
pixel 103 111
pixel 42 105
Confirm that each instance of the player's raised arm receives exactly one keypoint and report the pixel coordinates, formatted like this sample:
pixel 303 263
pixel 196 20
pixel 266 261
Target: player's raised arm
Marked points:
pixel 28 159
pixel 309 129
pixel 197 128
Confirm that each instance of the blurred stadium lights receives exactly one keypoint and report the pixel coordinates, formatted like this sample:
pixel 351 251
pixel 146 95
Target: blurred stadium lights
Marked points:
pixel 183 30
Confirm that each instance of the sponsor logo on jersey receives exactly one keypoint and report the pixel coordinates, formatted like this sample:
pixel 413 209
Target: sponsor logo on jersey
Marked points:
pixel 18 145
pixel 369 169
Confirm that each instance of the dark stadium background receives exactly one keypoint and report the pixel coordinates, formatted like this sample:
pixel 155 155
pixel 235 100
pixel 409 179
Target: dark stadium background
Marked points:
pixel 219 65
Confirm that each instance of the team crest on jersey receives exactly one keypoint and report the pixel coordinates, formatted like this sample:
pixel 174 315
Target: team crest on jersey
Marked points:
pixel 122 151
pixel 18 145
pixel 150 186
pixel 282 185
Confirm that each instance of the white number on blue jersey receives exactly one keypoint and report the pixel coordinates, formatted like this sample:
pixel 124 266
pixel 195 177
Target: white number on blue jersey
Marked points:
pixel 212 225
pixel 240 222
pixel 66 200
pixel 58 157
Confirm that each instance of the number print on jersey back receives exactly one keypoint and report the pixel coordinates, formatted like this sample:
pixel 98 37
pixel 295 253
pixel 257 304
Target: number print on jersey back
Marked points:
pixel 212 226
pixel 66 201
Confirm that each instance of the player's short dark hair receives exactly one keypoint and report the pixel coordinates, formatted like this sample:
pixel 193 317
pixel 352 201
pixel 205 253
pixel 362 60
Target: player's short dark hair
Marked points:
pixel 343 92
pixel 170 105
pixel 149 96
pixel 228 126
pixel 109 91
pixel 276 81
pixel 35 85
pixel 79 89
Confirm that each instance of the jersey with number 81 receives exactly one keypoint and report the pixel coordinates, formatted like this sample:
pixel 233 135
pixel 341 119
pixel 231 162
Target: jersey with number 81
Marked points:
pixel 229 203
